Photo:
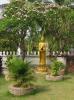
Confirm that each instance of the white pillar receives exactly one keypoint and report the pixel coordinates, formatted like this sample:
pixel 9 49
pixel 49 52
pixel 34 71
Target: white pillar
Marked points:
pixel 18 51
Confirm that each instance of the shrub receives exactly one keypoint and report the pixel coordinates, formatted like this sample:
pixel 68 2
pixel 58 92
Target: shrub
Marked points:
pixel 21 71
pixel 56 66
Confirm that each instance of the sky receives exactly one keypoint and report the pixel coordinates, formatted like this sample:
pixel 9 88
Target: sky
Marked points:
pixel 4 2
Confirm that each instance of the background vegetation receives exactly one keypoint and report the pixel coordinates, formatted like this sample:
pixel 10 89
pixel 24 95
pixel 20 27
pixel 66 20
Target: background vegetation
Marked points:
pixel 56 23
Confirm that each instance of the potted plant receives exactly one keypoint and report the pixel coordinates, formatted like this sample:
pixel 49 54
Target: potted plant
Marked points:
pixel 56 71
pixel 22 75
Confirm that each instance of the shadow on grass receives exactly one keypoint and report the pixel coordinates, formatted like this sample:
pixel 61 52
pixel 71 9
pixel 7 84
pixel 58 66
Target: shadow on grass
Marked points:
pixel 39 89
pixel 66 78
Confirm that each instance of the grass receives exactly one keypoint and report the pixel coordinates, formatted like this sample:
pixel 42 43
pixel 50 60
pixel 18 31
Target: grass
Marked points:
pixel 61 90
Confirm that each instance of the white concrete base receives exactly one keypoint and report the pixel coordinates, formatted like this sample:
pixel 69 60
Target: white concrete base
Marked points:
pixel 54 78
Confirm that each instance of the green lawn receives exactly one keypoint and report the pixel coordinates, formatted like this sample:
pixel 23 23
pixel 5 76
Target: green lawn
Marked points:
pixel 61 90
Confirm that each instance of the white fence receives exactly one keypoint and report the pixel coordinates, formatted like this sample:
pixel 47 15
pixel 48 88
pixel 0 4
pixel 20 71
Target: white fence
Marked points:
pixel 36 53
pixel 53 53
pixel 33 56
pixel 6 53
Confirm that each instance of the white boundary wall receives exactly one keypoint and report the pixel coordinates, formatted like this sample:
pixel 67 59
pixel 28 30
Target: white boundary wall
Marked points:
pixel 33 57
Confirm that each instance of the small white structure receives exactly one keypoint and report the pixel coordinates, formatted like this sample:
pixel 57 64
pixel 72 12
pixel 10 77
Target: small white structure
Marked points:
pixel 18 51
pixel 3 3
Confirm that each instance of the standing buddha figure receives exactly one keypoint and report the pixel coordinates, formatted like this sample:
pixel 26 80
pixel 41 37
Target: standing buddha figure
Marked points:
pixel 42 56
pixel 42 52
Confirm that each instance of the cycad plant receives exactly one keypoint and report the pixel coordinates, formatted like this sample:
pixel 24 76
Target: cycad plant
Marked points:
pixel 20 71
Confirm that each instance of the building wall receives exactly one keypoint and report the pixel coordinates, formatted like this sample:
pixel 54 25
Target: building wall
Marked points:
pixel 1 11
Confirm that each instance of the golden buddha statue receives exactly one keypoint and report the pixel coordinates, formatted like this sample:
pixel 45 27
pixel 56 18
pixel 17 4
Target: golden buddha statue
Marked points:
pixel 42 52
pixel 42 56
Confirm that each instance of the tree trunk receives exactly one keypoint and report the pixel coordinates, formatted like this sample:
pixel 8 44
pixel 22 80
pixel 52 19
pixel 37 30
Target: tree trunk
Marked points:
pixel 22 45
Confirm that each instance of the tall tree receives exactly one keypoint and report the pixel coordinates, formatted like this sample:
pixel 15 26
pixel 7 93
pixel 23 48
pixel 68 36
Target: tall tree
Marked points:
pixel 61 28
pixel 20 16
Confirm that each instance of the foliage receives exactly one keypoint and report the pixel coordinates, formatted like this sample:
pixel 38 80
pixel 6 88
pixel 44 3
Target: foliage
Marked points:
pixel 20 71
pixel 15 19
pixel 57 26
pixel 33 42
pixel 20 16
pixel 56 66
pixel 59 34
pixel 7 45
pixel 7 38
pixel 56 23
pixel 67 2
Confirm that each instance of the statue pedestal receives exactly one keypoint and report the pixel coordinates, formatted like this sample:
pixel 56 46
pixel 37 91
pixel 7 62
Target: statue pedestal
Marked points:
pixel 41 69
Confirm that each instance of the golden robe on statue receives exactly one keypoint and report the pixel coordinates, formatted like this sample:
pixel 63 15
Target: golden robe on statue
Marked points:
pixel 42 53
pixel 42 68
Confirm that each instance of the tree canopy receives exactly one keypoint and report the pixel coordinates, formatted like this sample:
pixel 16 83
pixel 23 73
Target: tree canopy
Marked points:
pixel 56 23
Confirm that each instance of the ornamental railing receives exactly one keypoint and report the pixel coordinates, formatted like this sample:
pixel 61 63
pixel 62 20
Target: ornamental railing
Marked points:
pixel 36 53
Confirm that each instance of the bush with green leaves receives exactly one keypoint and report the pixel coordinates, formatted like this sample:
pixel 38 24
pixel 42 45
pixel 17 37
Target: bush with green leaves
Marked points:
pixel 21 71
pixel 56 66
